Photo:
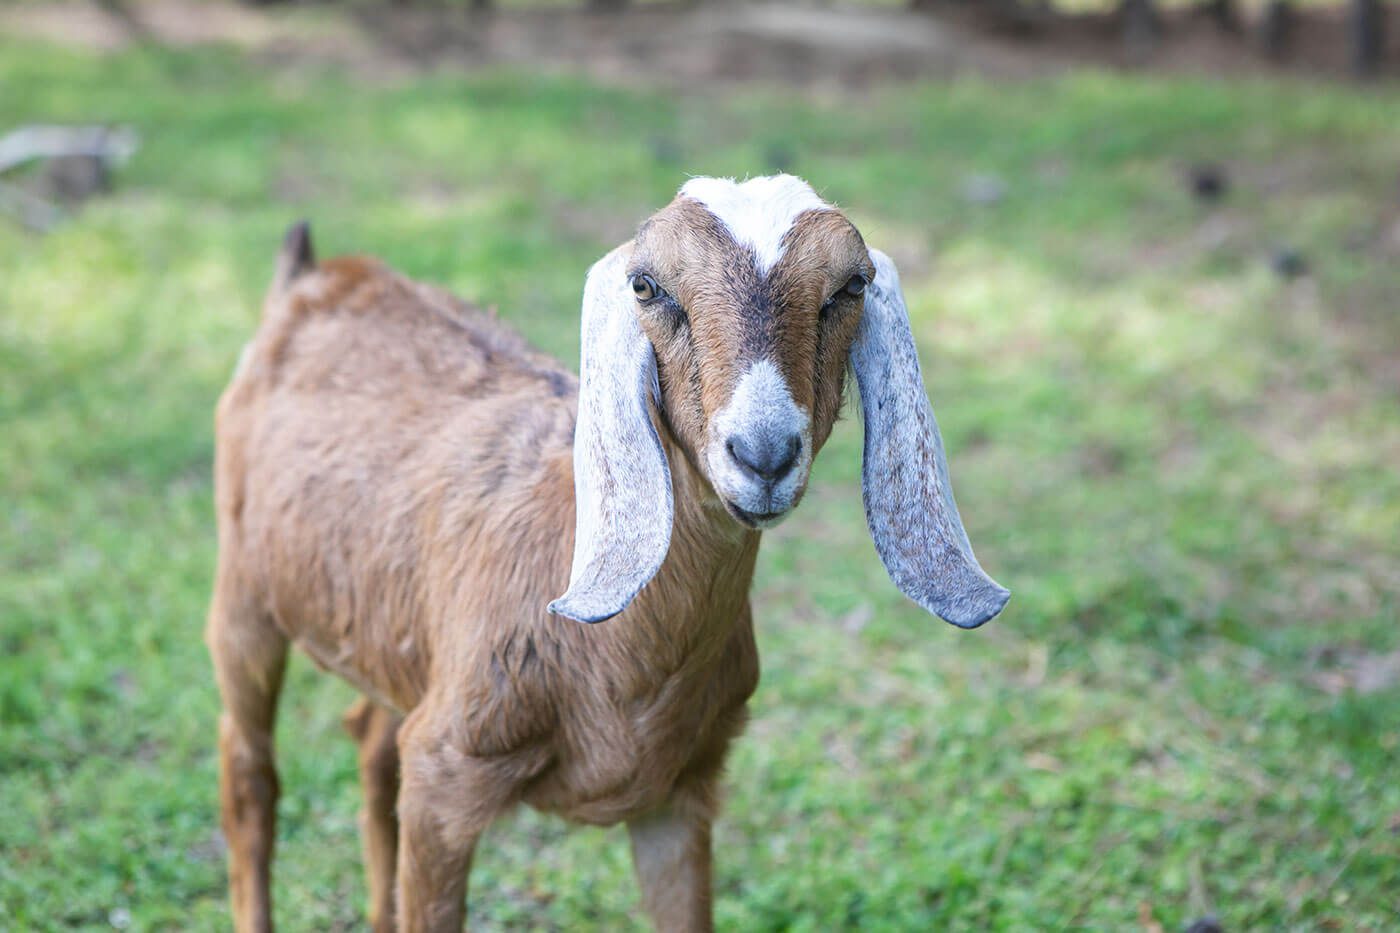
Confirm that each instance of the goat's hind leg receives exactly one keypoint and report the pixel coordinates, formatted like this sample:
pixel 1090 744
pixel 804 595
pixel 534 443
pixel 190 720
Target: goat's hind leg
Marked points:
pixel 376 730
pixel 249 655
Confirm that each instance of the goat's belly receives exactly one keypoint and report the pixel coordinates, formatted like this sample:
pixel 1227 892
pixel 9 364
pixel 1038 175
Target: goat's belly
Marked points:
pixel 346 620
pixel 381 660
pixel 337 661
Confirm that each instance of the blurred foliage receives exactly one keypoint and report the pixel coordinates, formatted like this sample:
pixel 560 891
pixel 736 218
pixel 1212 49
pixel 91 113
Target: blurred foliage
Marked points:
pixel 1182 464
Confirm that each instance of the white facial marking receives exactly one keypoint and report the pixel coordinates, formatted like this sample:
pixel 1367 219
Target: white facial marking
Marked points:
pixel 761 411
pixel 758 212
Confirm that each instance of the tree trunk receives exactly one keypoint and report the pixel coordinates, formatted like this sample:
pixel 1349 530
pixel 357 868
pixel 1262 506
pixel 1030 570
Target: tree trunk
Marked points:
pixel 1276 30
pixel 1367 37
pixel 1141 27
pixel 1225 15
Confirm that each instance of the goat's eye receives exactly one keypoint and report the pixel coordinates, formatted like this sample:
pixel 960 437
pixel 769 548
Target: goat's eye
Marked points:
pixel 645 287
pixel 854 287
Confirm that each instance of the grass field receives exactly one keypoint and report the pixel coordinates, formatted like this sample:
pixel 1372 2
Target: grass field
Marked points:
pixel 1183 465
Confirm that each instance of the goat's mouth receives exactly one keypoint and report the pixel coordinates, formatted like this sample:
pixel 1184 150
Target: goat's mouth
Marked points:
pixel 755 520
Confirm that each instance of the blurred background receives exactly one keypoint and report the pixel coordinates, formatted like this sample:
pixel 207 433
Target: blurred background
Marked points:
pixel 1152 256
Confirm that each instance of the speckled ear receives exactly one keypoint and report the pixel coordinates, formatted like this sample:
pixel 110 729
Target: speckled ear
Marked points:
pixel 622 482
pixel 908 497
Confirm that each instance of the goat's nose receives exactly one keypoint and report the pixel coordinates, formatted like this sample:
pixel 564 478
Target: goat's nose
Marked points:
pixel 769 458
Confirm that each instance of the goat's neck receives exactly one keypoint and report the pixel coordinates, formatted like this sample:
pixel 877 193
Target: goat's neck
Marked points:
pixel 701 590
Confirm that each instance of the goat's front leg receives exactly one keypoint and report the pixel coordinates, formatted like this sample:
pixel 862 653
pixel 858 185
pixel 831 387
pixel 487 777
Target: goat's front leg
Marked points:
pixel 671 852
pixel 446 800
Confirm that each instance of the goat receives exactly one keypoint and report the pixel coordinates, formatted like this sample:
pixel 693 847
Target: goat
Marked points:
pixel 403 484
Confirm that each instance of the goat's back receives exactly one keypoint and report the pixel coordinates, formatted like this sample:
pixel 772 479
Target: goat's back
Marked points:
pixel 382 442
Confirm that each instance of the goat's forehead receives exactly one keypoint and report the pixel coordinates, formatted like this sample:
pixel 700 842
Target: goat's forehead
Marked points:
pixel 757 213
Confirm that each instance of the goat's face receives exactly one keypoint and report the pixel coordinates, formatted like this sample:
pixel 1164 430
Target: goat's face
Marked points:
pixel 750 295
pixel 737 310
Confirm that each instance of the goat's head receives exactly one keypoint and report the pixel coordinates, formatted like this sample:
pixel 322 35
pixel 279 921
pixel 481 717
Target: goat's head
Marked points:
pixel 751 338
pixel 737 310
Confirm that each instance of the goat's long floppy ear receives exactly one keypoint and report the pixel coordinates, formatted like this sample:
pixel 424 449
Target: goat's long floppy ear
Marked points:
pixel 908 498
pixel 622 483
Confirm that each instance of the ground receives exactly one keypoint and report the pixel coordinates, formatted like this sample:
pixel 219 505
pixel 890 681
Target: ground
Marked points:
pixel 1180 459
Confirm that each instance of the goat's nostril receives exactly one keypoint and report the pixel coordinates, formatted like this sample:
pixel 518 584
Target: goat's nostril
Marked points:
pixel 794 447
pixel 769 458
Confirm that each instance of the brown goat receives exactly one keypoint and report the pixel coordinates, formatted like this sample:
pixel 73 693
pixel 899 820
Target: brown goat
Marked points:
pixel 403 485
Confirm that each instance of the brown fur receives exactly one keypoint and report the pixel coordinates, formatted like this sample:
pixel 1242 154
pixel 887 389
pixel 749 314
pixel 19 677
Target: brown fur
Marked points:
pixel 395 496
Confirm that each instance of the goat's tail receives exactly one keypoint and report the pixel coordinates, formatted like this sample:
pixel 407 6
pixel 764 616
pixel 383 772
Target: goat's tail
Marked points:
pixel 295 259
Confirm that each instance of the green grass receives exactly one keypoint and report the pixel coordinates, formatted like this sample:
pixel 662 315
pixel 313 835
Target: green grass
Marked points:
pixel 1183 466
